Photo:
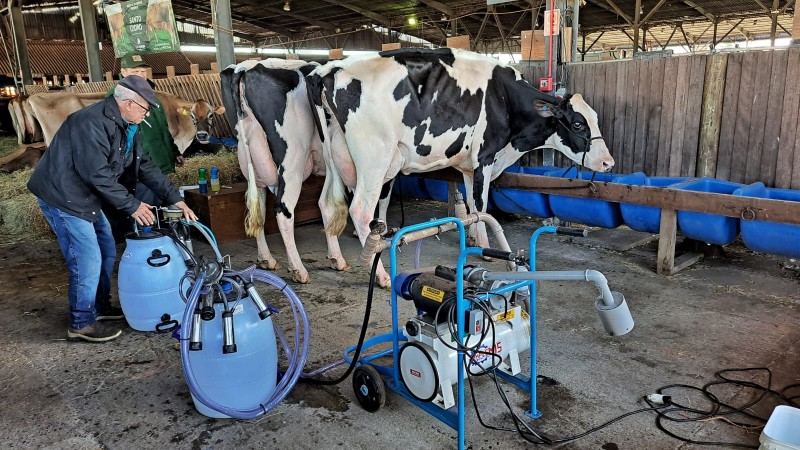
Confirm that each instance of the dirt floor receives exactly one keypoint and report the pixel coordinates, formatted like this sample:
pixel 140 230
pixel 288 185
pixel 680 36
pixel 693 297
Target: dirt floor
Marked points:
pixel 734 310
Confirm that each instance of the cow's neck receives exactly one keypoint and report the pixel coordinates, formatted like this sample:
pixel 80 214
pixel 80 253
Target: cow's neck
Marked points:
pixel 528 129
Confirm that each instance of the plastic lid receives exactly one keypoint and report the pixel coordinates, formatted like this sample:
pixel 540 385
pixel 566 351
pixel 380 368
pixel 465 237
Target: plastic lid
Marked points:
pixel 202 173
pixel 214 172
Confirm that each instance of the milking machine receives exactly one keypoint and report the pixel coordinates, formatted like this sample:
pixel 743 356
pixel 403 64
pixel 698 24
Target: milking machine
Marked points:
pixel 227 338
pixel 468 319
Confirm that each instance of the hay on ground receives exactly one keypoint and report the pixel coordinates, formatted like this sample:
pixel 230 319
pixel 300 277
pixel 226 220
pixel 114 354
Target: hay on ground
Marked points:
pixel 227 162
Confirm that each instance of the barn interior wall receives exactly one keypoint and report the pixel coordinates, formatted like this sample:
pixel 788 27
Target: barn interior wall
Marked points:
pixel 650 115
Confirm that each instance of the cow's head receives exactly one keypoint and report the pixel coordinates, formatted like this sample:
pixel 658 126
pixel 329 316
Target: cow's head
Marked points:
pixel 202 115
pixel 577 133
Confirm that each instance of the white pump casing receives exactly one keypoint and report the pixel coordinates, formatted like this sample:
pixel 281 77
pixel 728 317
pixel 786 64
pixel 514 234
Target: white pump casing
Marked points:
pixel 428 367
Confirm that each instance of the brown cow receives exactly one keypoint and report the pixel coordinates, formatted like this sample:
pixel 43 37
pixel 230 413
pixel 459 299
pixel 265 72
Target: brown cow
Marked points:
pixel 28 129
pixel 27 156
pixel 187 120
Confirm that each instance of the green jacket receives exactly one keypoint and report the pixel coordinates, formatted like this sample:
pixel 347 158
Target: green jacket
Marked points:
pixel 156 139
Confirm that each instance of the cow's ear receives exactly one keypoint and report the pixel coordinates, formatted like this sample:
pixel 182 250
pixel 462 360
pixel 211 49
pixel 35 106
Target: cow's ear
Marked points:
pixel 545 109
pixel 183 110
pixel 219 110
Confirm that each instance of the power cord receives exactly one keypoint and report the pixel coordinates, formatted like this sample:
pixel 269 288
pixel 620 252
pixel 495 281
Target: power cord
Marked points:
pixel 666 409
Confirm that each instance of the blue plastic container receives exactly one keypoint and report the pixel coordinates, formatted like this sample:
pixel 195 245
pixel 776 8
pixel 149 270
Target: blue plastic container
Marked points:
pixel 515 201
pixel 597 213
pixel 410 186
pixel 240 380
pixel 770 237
pixel 644 218
pixel 150 270
pixel 704 227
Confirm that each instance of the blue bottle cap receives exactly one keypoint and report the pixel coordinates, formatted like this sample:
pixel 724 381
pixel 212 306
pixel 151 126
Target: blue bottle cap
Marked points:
pixel 214 172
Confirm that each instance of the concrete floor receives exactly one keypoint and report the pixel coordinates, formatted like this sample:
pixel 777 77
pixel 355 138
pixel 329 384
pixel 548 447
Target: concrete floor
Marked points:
pixel 740 310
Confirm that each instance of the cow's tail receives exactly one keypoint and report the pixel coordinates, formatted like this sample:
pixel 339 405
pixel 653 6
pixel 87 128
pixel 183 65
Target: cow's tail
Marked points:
pixel 314 91
pixel 336 198
pixel 254 221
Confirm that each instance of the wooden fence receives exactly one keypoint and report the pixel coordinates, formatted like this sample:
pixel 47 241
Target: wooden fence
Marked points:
pixel 730 116
pixel 189 87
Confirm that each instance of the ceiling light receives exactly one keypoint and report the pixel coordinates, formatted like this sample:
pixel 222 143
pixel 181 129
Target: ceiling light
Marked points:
pixel 338 30
pixel 412 21
pixel 444 17
pixel 287 6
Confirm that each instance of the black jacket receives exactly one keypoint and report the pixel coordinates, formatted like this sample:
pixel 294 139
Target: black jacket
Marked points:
pixel 82 168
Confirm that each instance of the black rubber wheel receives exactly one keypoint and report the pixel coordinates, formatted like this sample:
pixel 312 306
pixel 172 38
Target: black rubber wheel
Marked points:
pixel 368 387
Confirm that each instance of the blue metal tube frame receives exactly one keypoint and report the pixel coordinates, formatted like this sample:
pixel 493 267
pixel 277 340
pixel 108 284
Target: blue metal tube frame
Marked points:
pixel 534 412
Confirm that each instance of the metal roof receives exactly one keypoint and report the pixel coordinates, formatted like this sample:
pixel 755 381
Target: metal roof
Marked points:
pixel 267 22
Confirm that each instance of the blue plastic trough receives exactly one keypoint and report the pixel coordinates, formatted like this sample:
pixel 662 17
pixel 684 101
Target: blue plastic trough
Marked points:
pixel 529 203
pixel 644 218
pixel 708 227
pixel 598 213
pixel 769 237
pixel 410 186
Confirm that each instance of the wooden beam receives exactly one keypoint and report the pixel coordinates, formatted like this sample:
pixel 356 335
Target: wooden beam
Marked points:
pixel 711 117
pixel 441 7
pixel 380 18
pixel 277 11
pixel 603 5
pixel 762 5
pixel 652 11
pixel 699 9
pixel 619 11
pixel 767 210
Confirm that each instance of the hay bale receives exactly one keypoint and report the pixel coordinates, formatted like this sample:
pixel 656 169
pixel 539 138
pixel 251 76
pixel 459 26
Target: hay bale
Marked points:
pixel 227 162
pixel 20 214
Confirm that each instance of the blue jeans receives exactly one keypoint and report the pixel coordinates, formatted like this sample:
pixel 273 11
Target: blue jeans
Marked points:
pixel 90 252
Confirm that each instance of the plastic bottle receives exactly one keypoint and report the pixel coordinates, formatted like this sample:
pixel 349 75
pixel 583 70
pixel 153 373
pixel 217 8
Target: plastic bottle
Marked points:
pixel 214 179
pixel 201 180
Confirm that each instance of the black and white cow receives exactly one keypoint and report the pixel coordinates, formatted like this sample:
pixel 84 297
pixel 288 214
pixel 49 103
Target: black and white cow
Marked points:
pixel 419 110
pixel 278 147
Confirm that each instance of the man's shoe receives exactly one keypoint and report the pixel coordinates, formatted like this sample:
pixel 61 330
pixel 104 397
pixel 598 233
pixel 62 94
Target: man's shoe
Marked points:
pixel 112 313
pixel 96 332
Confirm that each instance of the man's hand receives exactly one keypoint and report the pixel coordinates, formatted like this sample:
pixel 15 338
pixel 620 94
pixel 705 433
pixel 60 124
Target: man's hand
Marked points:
pixel 144 215
pixel 188 214
pixel 179 161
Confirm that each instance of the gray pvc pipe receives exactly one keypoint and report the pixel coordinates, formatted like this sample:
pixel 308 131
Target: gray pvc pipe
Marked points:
pixel 565 275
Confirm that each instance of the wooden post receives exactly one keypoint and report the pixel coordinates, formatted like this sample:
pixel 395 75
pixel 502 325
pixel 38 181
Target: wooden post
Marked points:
pixel 44 80
pixel 636 26
pixel 458 42
pixel 666 242
pixel 214 67
pixel 390 46
pixel 336 53
pixel 194 69
pixel 170 71
pixel 56 81
pixel 711 117
pixel 796 26
pixel 109 76
pixel 79 78
pixel 66 80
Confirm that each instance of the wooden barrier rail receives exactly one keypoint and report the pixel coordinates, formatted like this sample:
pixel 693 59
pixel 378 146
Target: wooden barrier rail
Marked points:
pixel 668 200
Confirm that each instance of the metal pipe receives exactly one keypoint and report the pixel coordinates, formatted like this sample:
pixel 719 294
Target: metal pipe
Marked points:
pixel 593 276
pixel 576 6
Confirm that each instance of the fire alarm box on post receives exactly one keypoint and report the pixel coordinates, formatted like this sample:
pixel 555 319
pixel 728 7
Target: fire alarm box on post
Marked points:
pixel 545 84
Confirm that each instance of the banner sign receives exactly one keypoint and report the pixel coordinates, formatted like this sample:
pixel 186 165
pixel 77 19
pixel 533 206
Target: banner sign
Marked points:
pixel 142 26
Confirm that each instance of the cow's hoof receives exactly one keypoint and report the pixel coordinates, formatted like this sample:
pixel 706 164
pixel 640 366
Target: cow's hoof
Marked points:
pixel 340 265
pixel 269 265
pixel 299 277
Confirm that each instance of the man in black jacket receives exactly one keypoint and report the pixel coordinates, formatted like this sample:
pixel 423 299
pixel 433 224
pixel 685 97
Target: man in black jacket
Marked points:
pixel 96 157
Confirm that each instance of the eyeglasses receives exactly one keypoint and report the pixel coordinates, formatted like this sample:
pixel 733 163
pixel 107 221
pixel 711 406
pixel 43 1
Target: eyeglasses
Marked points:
pixel 146 109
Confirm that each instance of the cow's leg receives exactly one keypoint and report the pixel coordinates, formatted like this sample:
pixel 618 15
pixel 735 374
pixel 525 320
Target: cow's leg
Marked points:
pixel 265 259
pixel 328 209
pixel 477 231
pixel 362 209
pixel 289 199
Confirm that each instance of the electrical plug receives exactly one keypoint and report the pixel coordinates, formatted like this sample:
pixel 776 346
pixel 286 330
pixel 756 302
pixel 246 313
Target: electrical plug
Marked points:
pixel 659 399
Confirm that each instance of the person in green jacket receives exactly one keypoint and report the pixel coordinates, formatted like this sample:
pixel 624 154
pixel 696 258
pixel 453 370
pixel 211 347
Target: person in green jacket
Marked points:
pixel 156 139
